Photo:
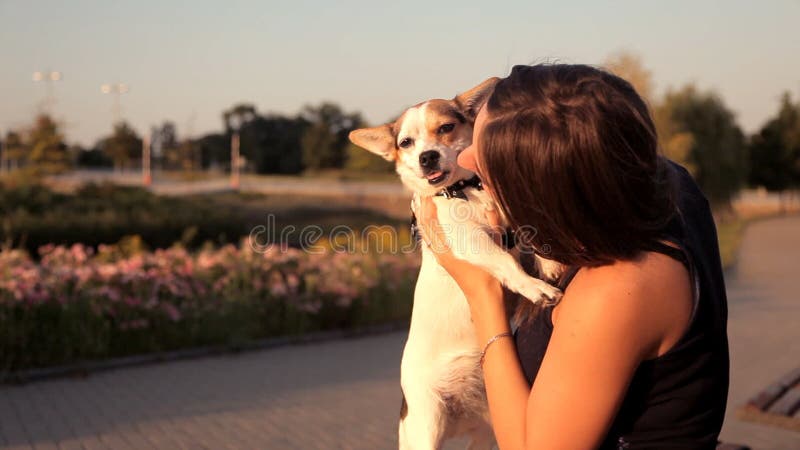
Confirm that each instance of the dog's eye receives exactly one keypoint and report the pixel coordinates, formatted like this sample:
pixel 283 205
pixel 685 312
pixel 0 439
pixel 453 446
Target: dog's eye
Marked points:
pixel 405 143
pixel 446 128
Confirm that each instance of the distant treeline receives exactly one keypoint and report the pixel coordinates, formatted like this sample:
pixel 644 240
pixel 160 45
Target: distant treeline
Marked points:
pixel 314 139
pixel 695 128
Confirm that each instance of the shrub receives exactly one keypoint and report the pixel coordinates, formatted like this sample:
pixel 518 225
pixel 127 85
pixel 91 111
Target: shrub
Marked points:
pixel 75 304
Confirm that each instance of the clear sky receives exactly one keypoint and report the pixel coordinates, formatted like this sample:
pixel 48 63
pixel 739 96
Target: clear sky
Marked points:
pixel 187 61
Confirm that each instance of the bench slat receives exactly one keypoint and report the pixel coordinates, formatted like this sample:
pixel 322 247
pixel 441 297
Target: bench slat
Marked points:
pixel 766 397
pixel 790 379
pixel 788 404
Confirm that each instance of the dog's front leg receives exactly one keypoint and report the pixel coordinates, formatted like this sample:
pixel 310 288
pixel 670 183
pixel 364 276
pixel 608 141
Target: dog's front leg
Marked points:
pixel 472 242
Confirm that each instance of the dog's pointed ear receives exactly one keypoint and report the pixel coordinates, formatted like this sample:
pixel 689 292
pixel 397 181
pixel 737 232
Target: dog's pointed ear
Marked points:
pixel 378 140
pixel 471 100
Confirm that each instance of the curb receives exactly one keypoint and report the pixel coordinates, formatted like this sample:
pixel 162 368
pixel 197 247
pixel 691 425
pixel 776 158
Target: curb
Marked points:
pixel 84 369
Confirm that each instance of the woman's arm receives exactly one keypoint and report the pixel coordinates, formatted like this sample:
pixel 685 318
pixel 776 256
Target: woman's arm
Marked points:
pixel 609 320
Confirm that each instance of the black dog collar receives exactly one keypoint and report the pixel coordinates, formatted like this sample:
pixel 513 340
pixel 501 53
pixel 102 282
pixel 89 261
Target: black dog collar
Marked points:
pixel 456 190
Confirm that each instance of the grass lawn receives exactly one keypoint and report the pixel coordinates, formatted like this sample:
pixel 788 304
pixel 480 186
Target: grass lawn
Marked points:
pixel 730 235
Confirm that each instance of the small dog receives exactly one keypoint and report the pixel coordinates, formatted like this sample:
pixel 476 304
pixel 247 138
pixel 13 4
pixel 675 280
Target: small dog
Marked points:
pixel 442 383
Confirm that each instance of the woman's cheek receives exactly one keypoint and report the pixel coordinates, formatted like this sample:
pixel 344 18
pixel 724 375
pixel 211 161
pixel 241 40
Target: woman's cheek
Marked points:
pixel 466 159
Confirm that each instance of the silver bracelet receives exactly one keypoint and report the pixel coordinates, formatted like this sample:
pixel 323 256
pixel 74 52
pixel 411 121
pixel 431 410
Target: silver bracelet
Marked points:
pixel 490 342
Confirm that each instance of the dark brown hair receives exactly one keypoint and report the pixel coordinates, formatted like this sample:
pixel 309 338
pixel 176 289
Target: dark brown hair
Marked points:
pixel 570 153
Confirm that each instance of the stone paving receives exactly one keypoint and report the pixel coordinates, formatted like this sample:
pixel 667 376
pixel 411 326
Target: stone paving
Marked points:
pixel 345 395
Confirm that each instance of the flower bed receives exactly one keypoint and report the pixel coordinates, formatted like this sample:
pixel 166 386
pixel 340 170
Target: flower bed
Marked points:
pixel 74 304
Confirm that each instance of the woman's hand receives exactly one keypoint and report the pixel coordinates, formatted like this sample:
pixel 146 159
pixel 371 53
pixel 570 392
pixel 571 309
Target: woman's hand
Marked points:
pixel 473 280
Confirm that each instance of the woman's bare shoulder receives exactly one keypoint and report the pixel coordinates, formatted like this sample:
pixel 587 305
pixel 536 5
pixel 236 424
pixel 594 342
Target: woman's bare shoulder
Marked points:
pixel 650 298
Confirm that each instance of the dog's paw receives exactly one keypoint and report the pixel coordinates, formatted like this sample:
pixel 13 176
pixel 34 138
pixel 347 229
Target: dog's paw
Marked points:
pixel 548 269
pixel 538 291
pixel 552 294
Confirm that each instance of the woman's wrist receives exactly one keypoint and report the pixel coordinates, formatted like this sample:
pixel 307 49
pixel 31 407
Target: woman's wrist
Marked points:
pixel 488 310
pixel 483 292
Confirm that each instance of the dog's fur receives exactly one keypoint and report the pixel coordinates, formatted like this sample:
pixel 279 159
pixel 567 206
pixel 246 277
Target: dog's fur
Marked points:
pixel 442 383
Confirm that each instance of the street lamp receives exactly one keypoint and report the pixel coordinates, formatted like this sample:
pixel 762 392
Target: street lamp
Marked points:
pixel 147 179
pixel 48 77
pixel 235 160
pixel 115 89
pixel 2 155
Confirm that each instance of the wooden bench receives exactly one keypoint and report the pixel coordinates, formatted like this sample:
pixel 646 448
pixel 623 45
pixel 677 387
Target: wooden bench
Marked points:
pixel 778 404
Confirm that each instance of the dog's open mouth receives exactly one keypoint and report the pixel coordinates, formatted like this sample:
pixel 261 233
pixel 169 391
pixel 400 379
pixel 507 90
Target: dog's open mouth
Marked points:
pixel 436 177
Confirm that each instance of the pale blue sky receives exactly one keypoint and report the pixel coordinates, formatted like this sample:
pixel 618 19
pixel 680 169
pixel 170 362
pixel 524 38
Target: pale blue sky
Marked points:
pixel 188 60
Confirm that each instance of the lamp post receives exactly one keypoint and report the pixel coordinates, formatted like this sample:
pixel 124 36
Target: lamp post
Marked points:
pixel 147 179
pixel 2 155
pixel 115 89
pixel 48 77
pixel 235 160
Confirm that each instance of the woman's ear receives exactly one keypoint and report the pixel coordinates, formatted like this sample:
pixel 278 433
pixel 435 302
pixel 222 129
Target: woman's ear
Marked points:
pixel 378 140
pixel 471 100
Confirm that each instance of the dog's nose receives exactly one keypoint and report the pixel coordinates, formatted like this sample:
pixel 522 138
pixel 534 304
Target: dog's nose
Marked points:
pixel 428 159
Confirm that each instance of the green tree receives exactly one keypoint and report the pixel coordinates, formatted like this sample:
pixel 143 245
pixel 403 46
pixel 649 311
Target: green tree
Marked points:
pixel 714 144
pixel 325 140
pixel 238 117
pixel 165 145
pixel 16 152
pixel 124 146
pixel 360 160
pixel 271 143
pixel 93 157
pixel 674 142
pixel 215 151
pixel 279 143
pixel 775 150
pixel 48 153
pixel 628 66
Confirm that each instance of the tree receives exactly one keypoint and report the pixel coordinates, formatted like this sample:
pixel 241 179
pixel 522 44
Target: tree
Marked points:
pixel 360 160
pixel 629 66
pixel 238 116
pixel 271 143
pixel 93 157
pixel 325 141
pixel 16 152
pixel 674 143
pixel 48 153
pixel 164 144
pixel 214 149
pixel 278 141
pixel 775 150
pixel 124 146
pixel 713 142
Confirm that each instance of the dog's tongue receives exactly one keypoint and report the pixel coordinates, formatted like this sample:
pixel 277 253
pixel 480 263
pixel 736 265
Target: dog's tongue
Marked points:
pixel 433 175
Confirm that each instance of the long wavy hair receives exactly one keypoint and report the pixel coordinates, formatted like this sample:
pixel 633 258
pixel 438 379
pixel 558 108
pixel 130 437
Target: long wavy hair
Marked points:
pixel 570 152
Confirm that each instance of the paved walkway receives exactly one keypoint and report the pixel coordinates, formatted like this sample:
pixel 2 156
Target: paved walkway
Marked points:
pixel 345 394
pixel 763 325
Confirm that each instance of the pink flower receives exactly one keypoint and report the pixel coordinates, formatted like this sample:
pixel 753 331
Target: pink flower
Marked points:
pixel 106 271
pixel 172 312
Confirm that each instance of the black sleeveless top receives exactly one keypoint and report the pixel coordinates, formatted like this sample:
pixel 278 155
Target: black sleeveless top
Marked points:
pixel 677 400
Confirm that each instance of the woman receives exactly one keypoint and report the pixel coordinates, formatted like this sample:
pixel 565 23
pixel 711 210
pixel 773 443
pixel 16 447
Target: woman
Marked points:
pixel 635 354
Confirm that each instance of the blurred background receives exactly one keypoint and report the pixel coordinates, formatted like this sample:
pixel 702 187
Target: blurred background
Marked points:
pixel 150 152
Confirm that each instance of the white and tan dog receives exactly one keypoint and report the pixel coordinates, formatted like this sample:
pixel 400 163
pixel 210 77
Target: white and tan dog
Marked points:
pixel 441 379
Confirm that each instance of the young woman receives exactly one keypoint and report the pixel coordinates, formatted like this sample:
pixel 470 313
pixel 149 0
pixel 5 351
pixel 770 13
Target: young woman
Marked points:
pixel 635 354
